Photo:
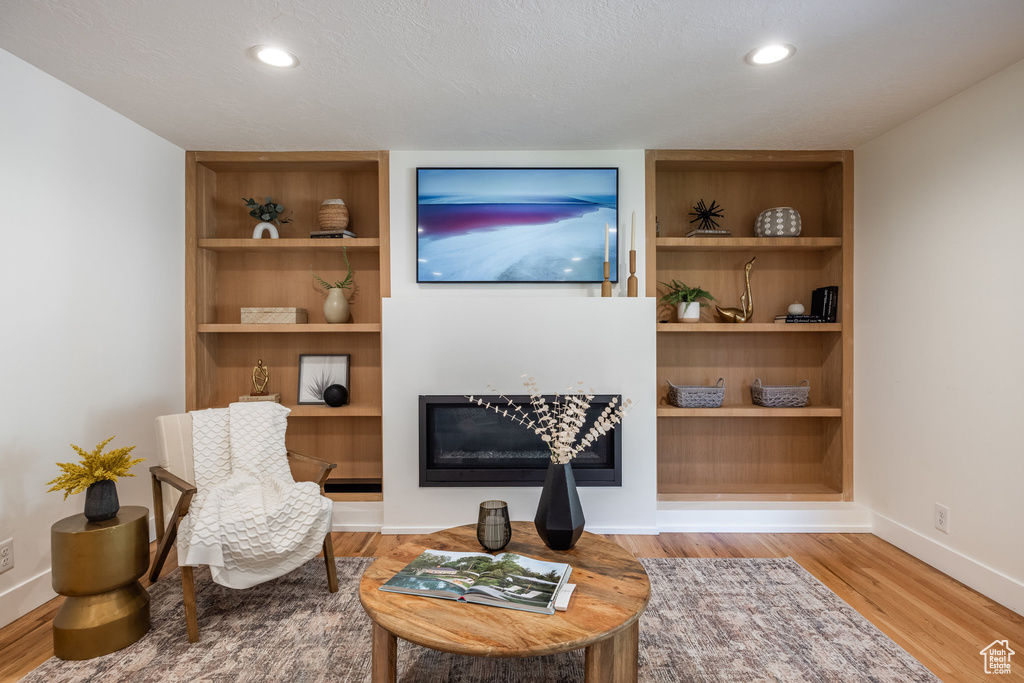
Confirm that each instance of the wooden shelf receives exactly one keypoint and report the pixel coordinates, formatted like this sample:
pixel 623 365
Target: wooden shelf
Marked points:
pixel 750 327
pixel 748 243
pixel 289 244
pixel 755 453
pixel 746 410
pixel 749 492
pixel 289 328
pixel 226 270
pixel 355 410
pixel 354 497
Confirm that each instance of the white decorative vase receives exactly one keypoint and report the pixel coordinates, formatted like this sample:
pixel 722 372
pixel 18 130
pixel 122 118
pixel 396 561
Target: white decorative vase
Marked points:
pixel 336 306
pixel 257 232
pixel 688 312
pixel 782 221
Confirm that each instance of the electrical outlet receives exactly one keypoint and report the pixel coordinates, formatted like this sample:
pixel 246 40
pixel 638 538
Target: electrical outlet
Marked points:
pixel 6 555
pixel 942 518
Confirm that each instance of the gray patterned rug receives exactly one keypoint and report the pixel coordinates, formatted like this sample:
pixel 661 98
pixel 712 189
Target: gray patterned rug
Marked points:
pixel 708 620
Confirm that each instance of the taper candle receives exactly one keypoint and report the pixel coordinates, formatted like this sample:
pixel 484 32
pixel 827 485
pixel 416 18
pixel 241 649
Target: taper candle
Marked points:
pixel 606 242
pixel 632 234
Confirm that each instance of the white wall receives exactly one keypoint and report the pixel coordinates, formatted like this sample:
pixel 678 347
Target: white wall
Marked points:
pixel 456 339
pixel 939 352
pixel 91 299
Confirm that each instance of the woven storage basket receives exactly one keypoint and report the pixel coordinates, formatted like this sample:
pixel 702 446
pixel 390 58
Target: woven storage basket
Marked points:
pixel 332 216
pixel 780 396
pixel 684 396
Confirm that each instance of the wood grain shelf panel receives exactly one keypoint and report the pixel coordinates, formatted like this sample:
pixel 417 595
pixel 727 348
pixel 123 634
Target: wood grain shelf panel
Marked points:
pixel 728 410
pixel 748 243
pixel 747 492
pixel 354 497
pixel 218 244
pixel 303 328
pixel 356 410
pixel 750 327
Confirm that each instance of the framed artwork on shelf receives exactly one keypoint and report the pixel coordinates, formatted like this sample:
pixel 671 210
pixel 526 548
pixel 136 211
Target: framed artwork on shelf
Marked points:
pixel 323 379
pixel 541 225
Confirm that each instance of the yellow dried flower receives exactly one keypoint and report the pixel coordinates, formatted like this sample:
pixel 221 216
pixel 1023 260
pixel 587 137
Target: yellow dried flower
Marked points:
pixel 95 466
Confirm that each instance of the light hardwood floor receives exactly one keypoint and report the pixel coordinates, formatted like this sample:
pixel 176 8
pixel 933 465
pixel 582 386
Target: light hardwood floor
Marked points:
pixel 938 620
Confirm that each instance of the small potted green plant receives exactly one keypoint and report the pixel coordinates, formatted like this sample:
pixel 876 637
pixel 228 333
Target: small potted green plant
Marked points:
pixel 95 474
pixel 687 300
pixel 336 306
pixel 268 215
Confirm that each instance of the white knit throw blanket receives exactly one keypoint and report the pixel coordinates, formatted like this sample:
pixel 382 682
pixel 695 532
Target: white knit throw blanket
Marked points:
pixel 250 521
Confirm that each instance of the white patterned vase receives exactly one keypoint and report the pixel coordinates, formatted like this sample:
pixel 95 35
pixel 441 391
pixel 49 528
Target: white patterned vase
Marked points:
pixel 782 221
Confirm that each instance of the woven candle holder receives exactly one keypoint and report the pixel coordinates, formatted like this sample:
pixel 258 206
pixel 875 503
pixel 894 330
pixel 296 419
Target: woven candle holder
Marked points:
pixel 333 215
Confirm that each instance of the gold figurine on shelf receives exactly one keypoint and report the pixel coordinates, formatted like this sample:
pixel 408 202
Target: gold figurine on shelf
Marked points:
pixel 260 377
pixel 745 314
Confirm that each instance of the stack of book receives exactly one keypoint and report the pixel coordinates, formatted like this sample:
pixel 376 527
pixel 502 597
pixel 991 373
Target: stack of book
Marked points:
pixel 331 233
pixel 824 308
pixel 709 233
pixel 825 303
pixel 799 319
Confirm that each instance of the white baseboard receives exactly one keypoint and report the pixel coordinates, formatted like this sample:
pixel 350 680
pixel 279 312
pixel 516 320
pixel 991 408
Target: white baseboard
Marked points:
pixel 762 517
pixel 357 516
pixel 17 601
pixel 1003 589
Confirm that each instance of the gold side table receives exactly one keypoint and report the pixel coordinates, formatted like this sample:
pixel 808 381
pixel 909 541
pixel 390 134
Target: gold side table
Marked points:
pixel 97 566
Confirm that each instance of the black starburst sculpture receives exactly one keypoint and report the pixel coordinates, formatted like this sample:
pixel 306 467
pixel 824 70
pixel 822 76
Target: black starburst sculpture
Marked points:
pixel 706 215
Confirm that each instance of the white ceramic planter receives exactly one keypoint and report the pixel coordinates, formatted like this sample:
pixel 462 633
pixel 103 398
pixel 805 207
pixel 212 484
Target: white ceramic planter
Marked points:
pixel 688 312
pixel 336 306
pixel 257 232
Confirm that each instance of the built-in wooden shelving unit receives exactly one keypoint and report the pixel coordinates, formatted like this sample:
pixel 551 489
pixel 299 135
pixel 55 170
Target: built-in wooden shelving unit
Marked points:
pixel 741 451
pixel 226 270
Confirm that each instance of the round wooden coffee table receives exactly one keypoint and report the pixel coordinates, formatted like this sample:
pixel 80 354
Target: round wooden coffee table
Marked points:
pixel 612 591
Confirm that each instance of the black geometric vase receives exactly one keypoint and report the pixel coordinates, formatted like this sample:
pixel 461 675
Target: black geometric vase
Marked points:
pixel 559 519
pixel 101 501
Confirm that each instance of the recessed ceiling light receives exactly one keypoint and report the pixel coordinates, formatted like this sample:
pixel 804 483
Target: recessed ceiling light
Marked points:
pixel 769 54
pixel 274 56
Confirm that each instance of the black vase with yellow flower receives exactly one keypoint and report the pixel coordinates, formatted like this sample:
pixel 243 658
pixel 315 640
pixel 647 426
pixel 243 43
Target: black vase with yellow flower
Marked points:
pixel 96 474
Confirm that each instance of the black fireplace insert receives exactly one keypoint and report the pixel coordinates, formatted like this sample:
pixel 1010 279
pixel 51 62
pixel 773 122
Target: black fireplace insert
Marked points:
pixel 465 444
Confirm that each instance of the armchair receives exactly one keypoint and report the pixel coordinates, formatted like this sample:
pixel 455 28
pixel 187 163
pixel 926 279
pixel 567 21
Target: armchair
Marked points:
pixel 176 471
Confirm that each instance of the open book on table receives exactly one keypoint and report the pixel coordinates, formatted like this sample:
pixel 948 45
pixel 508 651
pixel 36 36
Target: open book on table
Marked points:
pixel 504 580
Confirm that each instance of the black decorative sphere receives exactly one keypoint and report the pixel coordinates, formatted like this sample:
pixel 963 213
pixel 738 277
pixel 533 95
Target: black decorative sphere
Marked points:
pixel 335 395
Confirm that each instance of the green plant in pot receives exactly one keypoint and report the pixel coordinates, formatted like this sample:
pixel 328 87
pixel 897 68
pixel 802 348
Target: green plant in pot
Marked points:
pixel 336 309
pixel 687 300
pixel 95 474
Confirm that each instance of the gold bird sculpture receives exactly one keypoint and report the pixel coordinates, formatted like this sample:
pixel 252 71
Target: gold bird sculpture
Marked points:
pixel 740 315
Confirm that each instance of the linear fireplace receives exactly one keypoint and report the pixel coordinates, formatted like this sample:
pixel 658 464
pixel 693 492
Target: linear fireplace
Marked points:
pixel 463 444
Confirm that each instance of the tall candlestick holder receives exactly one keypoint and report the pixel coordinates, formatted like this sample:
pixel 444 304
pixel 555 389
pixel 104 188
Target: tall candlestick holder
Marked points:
pixel 632 282
pixel 606 286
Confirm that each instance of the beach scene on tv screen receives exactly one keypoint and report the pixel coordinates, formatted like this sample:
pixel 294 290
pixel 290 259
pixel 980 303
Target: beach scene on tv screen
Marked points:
pixel 515 224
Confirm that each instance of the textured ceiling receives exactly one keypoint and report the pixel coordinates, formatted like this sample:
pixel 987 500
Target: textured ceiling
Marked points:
pixel 516 74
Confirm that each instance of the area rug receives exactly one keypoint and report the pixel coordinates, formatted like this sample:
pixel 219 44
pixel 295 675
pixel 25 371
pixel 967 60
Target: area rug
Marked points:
pixel 708 620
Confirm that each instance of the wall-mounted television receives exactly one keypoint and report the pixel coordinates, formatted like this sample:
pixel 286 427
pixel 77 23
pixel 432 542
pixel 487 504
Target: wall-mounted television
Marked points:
pixel 515 224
